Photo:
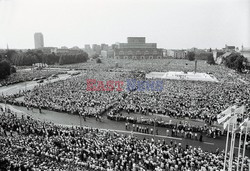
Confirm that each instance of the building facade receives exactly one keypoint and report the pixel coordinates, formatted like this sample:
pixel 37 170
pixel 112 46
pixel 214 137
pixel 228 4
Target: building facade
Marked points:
pixel 229 48
pixel 39 42
pixel 178 54
pixel 137 48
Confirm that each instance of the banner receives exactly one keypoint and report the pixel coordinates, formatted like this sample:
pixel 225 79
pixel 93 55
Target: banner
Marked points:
pixel 234 116
pixel 223 116
pixel 230 120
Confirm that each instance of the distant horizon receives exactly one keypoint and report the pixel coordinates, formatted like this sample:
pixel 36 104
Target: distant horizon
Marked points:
pixel 172 24
pixel 114 43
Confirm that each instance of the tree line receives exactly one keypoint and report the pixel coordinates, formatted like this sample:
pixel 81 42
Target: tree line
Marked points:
pixel 11 58
pixel 37 56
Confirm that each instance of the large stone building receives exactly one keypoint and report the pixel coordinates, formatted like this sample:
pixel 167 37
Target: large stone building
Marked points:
pixel 137 48
pixel 39 42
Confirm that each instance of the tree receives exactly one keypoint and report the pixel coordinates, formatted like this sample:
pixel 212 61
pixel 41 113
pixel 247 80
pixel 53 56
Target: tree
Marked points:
pixel 61 60
pixel 95 56
pixel 12 69
pixel 191 56
pixel 235 61
pixel 10 55
pixel 210 59
pixel 4 69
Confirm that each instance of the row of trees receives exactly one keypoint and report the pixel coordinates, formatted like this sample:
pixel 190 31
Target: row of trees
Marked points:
pixel 37 56
pixel 71 59
pixel 208 56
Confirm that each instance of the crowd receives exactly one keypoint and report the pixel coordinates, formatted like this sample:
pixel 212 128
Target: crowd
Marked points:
pixel 27 144
pixel 27 75
pixel 181 99
pixel 181 129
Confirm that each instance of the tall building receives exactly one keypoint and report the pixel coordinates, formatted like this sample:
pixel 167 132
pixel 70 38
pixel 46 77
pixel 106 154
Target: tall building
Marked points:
pixel 137 48
pixel 96 48
pixel 104 47
pixel 39 43
pixel 87 47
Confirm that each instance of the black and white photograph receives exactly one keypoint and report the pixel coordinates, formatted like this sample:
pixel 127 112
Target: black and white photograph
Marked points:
pixel 124 85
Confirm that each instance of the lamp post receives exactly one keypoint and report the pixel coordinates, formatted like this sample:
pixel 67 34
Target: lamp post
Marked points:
pixel 154 127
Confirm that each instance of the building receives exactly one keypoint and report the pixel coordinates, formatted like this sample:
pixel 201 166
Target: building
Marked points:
pixel 87 47
pixel 114 46
pixel 64 51
pixel 196 50
pixel 229 48
pixel 178 54
pixel 96 49
pixel 246 53
pixel 48 50
pixel 104 47
pixel 104 53
pixel 75 48
pixel 137 48
pixel 39 42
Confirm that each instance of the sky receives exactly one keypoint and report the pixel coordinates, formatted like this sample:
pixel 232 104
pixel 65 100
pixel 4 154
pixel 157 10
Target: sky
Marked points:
pixel 172 24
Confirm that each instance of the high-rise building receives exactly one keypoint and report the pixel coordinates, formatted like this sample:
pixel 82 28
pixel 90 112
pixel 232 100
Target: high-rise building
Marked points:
pixel 104 47
pixel 96 48
pixel 39 43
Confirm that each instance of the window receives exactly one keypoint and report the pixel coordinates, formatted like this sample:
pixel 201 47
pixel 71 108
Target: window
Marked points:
pixel 146 52
pixel 121 53
pixel 138 52
pixel 130 52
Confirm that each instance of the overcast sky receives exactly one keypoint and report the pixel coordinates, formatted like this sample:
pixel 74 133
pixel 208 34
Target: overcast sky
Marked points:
pixel 169 23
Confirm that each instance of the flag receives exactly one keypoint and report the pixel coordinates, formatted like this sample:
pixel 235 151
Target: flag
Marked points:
pixel 245 123
pixel 223 116
pixel 232 119
pixel 240 110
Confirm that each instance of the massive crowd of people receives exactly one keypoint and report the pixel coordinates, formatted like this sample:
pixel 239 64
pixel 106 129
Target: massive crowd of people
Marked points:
pixel 35 145
pixel 192 99
pixel 27 75
pixel 27 144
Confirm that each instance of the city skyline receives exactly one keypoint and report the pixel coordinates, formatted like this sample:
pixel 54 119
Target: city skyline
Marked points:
pixel 175 24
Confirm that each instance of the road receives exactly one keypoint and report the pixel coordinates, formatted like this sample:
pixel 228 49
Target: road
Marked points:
pixel 28 85
pixel 60 118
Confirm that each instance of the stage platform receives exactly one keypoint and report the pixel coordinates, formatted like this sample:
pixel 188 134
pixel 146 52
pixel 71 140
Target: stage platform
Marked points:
pixel 191 76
